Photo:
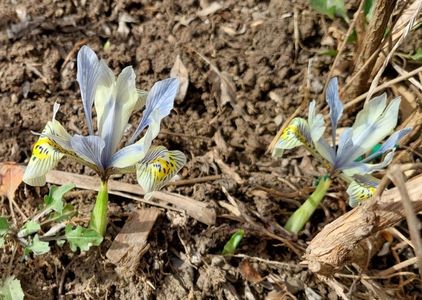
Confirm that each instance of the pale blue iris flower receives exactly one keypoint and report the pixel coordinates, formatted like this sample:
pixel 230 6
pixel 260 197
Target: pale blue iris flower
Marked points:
pixel 372 125
pixel 114 101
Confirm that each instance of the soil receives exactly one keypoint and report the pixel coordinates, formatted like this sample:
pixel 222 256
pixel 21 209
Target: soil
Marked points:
pixel 251 41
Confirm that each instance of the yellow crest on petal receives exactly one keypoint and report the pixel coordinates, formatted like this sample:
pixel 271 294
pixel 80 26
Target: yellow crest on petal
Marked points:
pixel 158 167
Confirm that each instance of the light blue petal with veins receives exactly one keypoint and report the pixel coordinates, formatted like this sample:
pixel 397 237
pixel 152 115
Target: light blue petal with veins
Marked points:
pixel 160 97
pixel 389 144
pixel 88 148
pixel 336 107
pixel 88 74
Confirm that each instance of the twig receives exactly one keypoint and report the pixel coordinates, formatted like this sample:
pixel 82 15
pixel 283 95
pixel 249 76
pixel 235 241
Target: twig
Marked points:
pixel 390 54
pixel 343 43
pixel 399 266
pixel 196 180
pixel 382 87
pixel 412 221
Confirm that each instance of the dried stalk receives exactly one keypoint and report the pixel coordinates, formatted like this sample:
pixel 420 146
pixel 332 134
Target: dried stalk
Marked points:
pixel 373 39
pixel 334 246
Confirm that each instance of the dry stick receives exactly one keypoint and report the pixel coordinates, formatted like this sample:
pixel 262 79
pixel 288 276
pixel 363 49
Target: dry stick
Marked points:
pixel 334 246
pixel 373 40
pixel 397 177
pixel 390 54
pixel 382 86
pixel 396 267
pixel 344 42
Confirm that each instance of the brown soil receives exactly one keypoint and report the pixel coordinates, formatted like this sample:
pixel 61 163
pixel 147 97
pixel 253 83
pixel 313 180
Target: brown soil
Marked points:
pixel 259 54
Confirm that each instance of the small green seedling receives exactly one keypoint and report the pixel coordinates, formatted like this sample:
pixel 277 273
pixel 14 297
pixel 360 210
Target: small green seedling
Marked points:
pixel 231 246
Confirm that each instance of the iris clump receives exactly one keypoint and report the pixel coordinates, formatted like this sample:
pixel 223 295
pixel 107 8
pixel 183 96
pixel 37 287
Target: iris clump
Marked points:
pixel 114 100
pixel 351 158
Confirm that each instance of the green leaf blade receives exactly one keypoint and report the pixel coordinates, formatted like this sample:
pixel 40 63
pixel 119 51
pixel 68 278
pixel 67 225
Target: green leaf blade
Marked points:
pixel 11 289
pixel 82 238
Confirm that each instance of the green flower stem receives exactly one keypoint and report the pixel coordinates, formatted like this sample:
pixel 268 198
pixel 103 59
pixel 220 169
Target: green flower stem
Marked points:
pixel 98 220
pixel 301 216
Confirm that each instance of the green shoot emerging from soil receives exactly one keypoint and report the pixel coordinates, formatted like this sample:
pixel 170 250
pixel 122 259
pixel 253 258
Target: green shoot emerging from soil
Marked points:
pixel 114 101
pixel 350 158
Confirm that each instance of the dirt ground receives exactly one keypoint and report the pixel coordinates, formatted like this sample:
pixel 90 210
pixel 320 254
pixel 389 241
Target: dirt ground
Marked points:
pixel 265 48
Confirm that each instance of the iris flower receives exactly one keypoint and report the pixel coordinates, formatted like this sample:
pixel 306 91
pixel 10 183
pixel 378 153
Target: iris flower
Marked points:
pixel 114 101
pixel 349 159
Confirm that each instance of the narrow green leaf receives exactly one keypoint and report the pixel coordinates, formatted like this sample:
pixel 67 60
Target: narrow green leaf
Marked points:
pixel 28 228
pixel 329 52
pixel 82 238
pixel 11 289
pixel 37 247
pixel 231 246
pixel 4 226
pixel 417 55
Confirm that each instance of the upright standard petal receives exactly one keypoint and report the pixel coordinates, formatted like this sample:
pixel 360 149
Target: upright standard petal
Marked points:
pixel 368 134
pixel 160 97
pixel 362 188
pixel 158 167
pixel 316 122
pixel 88 74
pixel 336 107
pixel 126 99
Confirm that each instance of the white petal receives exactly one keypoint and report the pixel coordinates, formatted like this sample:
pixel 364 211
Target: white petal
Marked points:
pixel 158 167
pixel 368 134
pixel 316 123
pixel 362 188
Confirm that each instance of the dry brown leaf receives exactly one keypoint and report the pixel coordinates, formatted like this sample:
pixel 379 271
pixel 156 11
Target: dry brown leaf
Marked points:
pixel 180 72
pixel 249 272
pixel 224 87
pixel 11 175
pixel 209 10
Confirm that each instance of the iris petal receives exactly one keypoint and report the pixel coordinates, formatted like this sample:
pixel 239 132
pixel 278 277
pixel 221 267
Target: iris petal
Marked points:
pixel 367 134
pixel 160 97
pixel 362 188
pixel 336 107
pixel 90 72
pixel 88 148
pixel 158 167
pixel 44 158
pixel 316 122
pixel 132 154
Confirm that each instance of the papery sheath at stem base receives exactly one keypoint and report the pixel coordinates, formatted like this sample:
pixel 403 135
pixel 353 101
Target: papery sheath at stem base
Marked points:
pixel 302 215
pixel 98 220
